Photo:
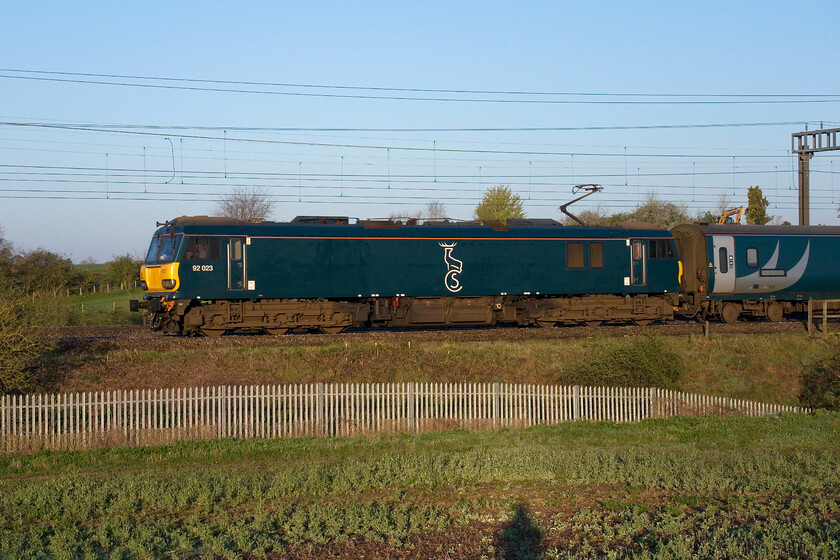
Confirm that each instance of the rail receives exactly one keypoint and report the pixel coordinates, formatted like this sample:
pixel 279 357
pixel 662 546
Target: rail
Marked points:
pixel 158 416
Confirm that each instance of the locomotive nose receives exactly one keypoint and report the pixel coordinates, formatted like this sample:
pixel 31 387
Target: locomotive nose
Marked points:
pixel 160 278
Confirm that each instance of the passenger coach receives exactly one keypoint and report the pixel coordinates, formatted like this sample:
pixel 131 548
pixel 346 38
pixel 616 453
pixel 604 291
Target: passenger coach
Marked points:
pixel 756 271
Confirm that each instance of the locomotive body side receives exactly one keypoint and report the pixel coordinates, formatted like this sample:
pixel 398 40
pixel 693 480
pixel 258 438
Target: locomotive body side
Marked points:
pixel 444 273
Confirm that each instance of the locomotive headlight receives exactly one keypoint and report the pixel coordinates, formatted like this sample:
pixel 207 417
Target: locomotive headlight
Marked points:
pixel 144 285
pixel 167 284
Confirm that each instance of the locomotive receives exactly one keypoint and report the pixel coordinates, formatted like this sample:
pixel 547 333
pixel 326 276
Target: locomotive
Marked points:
pixel 207 275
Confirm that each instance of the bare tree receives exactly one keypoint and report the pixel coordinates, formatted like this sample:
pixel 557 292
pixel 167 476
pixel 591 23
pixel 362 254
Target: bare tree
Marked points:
pixel 246 204
pixel 5 245
pixel 659 212
pixel 434 210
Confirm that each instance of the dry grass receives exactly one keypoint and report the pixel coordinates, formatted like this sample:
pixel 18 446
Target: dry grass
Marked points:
pixel 763 367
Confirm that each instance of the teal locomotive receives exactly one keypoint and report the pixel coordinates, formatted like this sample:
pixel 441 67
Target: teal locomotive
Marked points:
pixel 205 275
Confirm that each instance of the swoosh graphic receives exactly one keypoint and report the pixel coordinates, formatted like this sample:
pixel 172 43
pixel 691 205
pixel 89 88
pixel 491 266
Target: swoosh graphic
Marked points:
pixel 745 284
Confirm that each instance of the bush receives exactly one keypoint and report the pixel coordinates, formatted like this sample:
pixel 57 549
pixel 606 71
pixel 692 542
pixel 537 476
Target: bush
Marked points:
pixel 645 361
pixel 20 345
pixel 821 381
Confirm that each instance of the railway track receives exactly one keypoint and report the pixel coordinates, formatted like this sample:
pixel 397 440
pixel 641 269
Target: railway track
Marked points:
pixel 144 336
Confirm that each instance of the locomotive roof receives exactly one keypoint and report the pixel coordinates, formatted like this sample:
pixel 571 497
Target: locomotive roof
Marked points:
pixel 222 225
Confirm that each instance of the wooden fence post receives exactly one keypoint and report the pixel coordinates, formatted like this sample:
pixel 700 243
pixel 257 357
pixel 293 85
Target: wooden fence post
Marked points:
pixel 412 421
pixel 223 411
pixel 654 402
pixel 320 422
pixel 576 403
pixel 496 405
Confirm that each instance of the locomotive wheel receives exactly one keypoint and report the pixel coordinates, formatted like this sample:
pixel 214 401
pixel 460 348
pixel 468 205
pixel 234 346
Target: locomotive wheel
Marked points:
pixel 775 312
pixel 212 332
pixel 730 312
pixel 592 323
pixel 332 330
pixel 277 331
pixel 545 323
pixel 642 322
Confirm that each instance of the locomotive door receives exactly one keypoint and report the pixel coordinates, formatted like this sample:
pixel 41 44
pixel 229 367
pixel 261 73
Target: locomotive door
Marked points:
pixel 723 252
pixel 638 264
pixel 237 274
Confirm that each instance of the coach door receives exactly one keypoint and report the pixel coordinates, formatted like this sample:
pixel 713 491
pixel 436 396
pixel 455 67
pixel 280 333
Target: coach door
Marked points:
pixel 638 264
pixel 237 274
pixel 723 252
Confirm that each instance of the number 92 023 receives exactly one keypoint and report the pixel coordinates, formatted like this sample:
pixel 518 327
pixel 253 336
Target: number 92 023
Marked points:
pixel 202 268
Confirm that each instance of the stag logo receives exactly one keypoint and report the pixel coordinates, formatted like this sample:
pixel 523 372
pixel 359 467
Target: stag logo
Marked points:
pixel 453 268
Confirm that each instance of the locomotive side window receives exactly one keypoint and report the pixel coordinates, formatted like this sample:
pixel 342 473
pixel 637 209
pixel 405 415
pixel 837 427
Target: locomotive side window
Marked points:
pixel 637 250
pixel 574 254
pixel 596 254
pixel 661 249
pixel 236 249
pixel 722 260
pixel 202 248
pixel 752 257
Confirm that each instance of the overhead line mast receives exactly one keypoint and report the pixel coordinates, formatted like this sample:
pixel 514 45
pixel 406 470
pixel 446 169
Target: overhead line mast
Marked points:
pixel 805 145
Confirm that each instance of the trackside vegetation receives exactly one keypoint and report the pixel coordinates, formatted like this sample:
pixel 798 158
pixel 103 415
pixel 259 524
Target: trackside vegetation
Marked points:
pixel 761 367
pixel 684 487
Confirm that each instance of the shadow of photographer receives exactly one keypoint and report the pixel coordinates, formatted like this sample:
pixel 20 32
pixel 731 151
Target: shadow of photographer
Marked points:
pixel 521 538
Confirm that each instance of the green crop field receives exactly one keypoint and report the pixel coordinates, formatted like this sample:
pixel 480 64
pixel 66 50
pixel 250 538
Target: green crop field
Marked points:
pixel 708 487
pixel 106 302
pixel 109 308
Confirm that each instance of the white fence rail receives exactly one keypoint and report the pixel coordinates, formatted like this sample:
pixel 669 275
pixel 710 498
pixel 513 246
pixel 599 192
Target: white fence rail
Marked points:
pixel 151 416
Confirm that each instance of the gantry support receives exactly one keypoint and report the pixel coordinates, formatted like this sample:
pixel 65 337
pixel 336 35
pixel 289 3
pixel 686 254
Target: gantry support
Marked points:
pixel 805 144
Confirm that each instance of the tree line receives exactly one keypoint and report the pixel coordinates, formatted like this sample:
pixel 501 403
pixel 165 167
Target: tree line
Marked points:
pixel 40 271
pixel 499 203
pixel 31 283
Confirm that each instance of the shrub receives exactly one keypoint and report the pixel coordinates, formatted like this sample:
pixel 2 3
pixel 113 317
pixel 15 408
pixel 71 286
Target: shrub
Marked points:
pixel 821 381
pixel 20 345
pixel 645 361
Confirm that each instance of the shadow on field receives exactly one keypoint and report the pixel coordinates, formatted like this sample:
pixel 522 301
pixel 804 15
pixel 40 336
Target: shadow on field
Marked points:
pixel 521 539
pixel 66 355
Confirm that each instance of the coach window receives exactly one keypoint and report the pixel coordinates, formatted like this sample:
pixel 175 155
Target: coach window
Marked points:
pixel 202 248
pixel 596 254
pixel 574 254
pixel 752 257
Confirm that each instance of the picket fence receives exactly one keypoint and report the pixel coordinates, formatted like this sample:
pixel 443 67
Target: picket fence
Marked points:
pixel 152 416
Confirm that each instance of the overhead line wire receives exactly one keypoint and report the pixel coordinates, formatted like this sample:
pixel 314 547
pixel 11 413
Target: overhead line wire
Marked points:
pixel 369 147
pixel 725 98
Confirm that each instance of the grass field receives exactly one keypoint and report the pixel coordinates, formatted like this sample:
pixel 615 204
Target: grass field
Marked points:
pixel 89 309
pixel 709 487
pixel 106 302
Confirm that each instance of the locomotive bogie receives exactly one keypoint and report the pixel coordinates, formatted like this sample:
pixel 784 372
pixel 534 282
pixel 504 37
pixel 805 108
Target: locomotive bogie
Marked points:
pixel 279 316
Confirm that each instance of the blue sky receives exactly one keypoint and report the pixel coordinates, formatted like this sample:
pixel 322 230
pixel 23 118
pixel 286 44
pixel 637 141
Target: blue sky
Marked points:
pixel 97 189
